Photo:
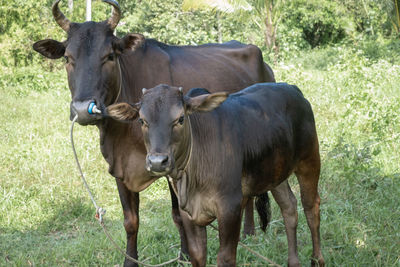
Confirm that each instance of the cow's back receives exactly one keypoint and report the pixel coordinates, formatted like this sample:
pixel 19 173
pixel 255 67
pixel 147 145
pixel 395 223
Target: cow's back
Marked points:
pixel 229 66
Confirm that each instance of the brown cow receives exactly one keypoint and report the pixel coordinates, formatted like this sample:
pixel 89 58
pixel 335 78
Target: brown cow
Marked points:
pixel 103 69
pixel 221 150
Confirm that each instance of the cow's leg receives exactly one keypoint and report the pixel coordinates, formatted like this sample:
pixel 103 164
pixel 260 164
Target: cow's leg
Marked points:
pixel 130 207
pixel 176 216
pixel 307 173
pixel 197 241
pixel 248 228
pixel 229 222
pixel 288 204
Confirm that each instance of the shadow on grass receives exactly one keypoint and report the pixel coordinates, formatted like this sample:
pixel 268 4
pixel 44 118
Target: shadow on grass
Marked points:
pixel 49 242
pixel 72 236
pixel 358 201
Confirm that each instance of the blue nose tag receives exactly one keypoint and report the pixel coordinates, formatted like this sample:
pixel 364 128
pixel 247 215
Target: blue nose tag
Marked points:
pixel 90 108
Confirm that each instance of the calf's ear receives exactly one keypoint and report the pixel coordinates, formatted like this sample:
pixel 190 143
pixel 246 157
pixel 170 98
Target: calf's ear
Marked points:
pixel 50 48
pixel 123 112
pixel 205 102
pixel 130 41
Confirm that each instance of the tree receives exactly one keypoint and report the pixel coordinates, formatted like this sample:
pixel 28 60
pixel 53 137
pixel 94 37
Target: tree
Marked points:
pixel 88 10
pixel 270 12
pixel 264 13
pixel 217 6
pixel 71 6
pixel 396 20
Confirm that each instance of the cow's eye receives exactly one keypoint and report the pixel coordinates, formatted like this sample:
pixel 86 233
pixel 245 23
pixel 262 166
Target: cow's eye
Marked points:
pixel 110 57
pixel 181 119
pixel 141 121
pixel 66 59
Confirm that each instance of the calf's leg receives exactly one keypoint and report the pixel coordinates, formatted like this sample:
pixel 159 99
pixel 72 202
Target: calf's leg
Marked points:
pixel 197 241
pixel 287 202
pixel 229 231
pixel 130 207
pixel 176 216
pixel 248 228
pixel 307 174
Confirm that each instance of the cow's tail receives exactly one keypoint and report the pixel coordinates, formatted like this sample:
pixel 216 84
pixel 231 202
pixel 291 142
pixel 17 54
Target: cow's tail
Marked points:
pixel 264 210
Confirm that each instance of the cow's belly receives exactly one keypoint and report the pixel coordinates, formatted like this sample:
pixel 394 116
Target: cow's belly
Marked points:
pixel 266 176
pixel 253 187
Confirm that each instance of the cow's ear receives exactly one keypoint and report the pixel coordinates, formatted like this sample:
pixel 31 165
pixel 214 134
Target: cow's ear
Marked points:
pixel 130 41
pixel 205 102
pixel 123 111
pixel 50 48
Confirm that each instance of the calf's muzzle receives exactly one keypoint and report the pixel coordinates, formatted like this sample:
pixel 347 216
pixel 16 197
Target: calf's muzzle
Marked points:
pixel 158 163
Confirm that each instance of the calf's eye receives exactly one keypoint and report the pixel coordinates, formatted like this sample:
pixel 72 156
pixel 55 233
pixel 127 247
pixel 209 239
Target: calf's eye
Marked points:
pixel 66 59
pixel 141 121
pixel 181 119
pixel 110 57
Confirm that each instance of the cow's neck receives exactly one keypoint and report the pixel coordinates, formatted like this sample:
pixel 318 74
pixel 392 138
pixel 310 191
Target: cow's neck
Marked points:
pixel 117 136
pixel 121 143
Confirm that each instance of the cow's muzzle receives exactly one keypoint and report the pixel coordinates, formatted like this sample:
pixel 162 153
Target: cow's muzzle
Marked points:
pixel 88 112
pixel 158 164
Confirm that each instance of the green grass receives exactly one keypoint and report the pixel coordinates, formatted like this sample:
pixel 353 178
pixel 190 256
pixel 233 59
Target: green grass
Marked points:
pixel 46 217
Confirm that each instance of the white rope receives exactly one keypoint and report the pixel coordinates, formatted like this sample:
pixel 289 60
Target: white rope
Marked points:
pixel 120 80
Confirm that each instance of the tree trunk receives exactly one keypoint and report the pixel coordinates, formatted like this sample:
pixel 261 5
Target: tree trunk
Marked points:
pixel 88 10
pixel 397 12
pixel 269 26
pixel 219 27
pixel 71 6
pixel 270 29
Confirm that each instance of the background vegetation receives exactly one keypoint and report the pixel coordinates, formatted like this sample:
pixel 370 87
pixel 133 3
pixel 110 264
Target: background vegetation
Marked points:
pixel 343 54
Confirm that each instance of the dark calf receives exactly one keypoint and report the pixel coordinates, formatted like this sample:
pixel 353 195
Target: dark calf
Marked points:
pixel 263 133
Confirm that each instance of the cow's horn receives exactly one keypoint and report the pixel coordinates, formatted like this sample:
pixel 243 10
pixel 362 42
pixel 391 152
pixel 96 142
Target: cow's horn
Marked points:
pixel 116 13
pixel 59 17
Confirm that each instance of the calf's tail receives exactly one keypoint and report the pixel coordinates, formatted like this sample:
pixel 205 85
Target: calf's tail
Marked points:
pixel 264 210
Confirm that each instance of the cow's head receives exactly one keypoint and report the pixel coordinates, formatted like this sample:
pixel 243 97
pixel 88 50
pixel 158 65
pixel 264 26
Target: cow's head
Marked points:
pixel 91 59
pixel 163 113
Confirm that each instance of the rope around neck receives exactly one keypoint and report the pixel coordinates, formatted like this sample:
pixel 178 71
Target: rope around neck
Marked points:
pixel 120 80
pixel 186 164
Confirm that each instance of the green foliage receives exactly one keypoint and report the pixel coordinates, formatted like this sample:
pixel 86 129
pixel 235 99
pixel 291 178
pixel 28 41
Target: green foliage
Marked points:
pixel 175 26
pixel 20 29
pixel 24 22
pixel 301 24
pixel 324 25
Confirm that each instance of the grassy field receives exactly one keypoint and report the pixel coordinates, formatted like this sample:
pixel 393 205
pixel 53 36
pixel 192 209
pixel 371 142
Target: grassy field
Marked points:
pixel 46 217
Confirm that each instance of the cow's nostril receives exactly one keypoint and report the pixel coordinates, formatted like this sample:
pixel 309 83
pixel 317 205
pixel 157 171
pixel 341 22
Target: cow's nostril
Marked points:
pixel 164 160
pixel 158 162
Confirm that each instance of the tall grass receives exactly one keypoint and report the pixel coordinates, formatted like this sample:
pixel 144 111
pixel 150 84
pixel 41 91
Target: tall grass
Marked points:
pixel 46 217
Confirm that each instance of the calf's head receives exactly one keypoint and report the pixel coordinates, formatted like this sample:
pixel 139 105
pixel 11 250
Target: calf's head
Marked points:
pixel 91 59
pixel 163 113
